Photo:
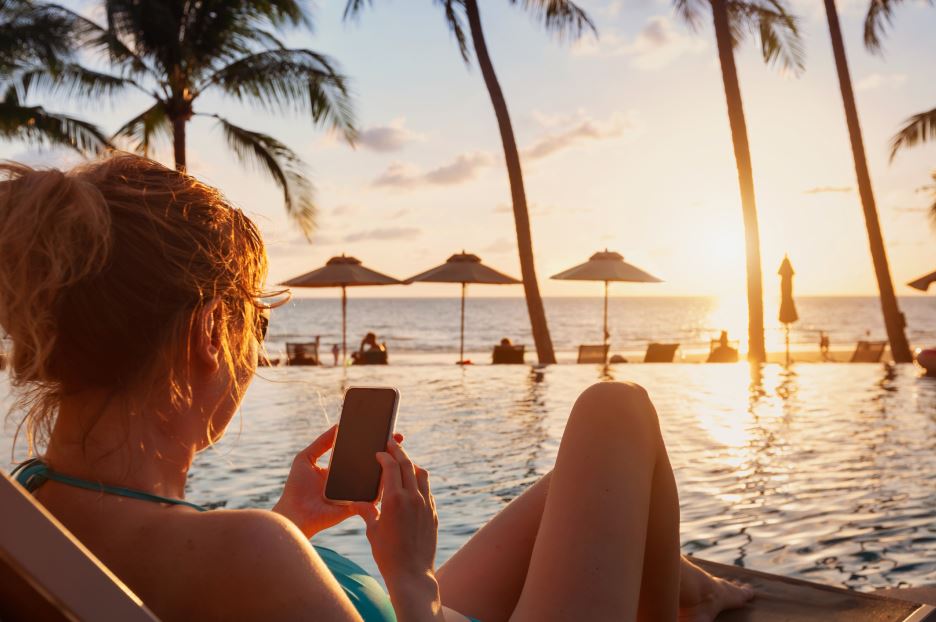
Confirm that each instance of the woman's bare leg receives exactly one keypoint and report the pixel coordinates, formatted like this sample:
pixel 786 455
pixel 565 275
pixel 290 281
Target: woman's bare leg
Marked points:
pixel 578 544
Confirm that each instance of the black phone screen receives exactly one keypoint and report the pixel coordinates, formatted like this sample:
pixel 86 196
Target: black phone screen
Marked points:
pixel 364 429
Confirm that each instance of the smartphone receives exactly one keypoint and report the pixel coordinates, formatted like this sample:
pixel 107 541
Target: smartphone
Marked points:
pixel 365 427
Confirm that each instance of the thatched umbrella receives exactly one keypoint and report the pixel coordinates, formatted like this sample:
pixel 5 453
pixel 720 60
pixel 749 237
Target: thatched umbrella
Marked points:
pixel 606 266
pixel 343 272
pixel 463 268
pixel 788 313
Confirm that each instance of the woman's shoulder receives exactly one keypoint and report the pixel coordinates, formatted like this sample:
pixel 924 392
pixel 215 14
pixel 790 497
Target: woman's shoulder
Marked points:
pixel 255 564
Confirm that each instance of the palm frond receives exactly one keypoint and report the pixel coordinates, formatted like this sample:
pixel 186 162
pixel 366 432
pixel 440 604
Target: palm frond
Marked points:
pixel 281 163
pixel 354 8
pixel 30 35
pixel 880 15
pixel 454 19
pixel 691 11
pixel 289 80
pixel 34 125
pixel 563 17
pixel 776 27
pixel 73 80
pixel 917 129
pixel 147 128
pixel 99 38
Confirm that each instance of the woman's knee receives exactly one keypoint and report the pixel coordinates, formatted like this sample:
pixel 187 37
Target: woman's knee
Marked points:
pixel 609 407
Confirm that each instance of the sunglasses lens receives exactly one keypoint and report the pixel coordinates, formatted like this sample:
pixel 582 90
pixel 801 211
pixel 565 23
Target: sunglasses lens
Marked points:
pixel 264 325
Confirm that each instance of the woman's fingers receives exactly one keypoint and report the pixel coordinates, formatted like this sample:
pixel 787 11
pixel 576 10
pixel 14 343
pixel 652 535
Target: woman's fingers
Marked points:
pixel 367 511
pixel 320 445
pixel 398 437
pixel 390 478
pixel 407 468
pixel 422 481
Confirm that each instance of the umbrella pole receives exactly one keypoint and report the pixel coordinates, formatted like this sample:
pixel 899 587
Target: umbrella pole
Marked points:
pixel 787 327
pixel 606 315
pixel 344 324
pixel 461 349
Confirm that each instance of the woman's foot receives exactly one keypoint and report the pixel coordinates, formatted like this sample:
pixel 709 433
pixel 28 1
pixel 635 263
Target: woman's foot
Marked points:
pixel 702 596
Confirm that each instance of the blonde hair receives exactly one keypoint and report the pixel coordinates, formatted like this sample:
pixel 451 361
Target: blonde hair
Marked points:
pixel 103 270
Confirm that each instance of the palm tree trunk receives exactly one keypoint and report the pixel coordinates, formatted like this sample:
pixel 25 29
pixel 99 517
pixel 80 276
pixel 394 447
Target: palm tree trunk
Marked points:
pixel 742 151
pixel 544 347
pixel 893 318
pixel 178 142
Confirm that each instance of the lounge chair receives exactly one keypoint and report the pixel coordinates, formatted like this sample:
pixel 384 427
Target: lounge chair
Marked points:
pixel 370 357
pixel 782 599
pixel 868 352
pixel 47 574
pixel 719 352
pixel 303 353
pixel 660 352
pixel 508 355
pixel 593 354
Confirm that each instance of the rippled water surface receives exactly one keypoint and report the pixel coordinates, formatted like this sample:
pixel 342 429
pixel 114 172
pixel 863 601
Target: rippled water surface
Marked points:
pixel 825 472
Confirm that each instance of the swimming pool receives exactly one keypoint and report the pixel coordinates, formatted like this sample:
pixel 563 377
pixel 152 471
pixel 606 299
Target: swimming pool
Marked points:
pixel 826 472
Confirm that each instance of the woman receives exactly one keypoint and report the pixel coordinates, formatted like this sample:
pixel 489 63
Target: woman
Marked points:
pixel 132 296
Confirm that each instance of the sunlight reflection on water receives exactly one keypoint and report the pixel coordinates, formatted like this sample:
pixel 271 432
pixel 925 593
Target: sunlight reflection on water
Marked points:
pixel 824 472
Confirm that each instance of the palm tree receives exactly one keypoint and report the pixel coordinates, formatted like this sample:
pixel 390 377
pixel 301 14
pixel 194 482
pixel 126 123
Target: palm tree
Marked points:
pixel 32 36
pixel 174 52
pixel 893 318
pixel 564 18
pixel 780 42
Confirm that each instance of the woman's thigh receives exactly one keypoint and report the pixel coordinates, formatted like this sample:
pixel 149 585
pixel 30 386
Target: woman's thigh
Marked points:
pixel 484 577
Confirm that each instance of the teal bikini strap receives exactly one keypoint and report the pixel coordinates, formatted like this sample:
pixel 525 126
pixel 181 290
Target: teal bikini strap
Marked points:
pixel 32 473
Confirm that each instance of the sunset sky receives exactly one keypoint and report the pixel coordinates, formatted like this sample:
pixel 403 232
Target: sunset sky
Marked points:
pixel 625 145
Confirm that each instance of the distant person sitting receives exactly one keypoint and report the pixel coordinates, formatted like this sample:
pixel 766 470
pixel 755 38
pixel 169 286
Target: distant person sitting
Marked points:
pixel 721 351
pixel 370 352
pixel 824 345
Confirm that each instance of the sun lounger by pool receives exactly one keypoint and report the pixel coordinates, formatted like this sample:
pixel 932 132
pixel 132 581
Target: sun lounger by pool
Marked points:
pixel 868 352
pixel 660 352
pixel 508 355
pixel 593 354
pixel 781 599
pixel 303 353
pixel 47 574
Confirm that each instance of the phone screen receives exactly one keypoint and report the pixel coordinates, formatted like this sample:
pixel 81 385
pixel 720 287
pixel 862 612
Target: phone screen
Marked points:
pixel 365 426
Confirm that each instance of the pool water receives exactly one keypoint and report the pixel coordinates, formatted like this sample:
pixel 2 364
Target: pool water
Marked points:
pixel 825 472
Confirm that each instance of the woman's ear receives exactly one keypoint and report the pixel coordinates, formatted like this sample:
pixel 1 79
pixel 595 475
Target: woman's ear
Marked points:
pixel 207 336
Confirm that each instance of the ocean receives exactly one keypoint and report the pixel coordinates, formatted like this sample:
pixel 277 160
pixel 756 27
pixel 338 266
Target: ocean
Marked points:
pixel 431 325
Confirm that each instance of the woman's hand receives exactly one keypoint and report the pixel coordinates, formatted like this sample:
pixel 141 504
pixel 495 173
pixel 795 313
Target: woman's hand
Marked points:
pixel 303 500
pixel 403 536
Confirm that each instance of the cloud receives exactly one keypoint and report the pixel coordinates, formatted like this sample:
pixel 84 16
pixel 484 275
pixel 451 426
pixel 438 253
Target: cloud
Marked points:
pixel 584 130
pixel 384 233
pixel 657 45
pixel 464 168
pixel 500 245
pixel 877 80
pixel 386 138
pixel 827 189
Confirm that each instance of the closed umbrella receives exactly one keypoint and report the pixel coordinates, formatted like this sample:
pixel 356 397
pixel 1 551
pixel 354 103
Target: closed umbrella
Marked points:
pixel 788 313
pixel 463 268
pixel 923 282
pixel 343 272
pixel 606 266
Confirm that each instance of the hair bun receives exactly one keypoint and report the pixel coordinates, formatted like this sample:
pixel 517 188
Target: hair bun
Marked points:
pixel 54 232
